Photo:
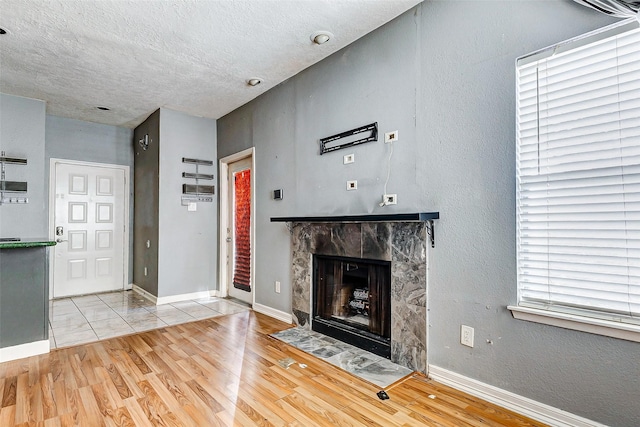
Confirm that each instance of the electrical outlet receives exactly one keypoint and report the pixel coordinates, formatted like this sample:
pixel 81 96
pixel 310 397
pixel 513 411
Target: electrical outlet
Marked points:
pixel 390 199
pixel 391 136
pixel 349 158
pixel 277 287
pixel 145 271
pixel 466 335
pixel 352 185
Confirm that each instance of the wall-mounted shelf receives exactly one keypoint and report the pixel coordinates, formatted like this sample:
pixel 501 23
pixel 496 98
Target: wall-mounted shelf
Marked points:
pixel 13 161
pixel 11 186
pixel 197 192
pixel 197 161
pixel 197 189
pixel 427 217
pixel 197 175
pixel 399 217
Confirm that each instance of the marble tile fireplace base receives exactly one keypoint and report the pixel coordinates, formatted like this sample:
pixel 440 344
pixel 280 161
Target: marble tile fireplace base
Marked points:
pixel 402 243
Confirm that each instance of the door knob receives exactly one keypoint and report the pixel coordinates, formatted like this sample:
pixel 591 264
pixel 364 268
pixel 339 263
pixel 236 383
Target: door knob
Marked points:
pixel 60 240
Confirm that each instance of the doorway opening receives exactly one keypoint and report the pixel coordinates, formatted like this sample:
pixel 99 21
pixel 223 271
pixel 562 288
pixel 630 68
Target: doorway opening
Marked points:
pixel 236 226
pixel 89 220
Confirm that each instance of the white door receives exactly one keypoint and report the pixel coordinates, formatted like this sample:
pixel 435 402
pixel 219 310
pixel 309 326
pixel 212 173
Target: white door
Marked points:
pixel 89 224
pixel 239 232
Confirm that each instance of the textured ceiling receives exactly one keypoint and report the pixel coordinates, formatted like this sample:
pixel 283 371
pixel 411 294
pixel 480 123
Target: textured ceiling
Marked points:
pixel 135 56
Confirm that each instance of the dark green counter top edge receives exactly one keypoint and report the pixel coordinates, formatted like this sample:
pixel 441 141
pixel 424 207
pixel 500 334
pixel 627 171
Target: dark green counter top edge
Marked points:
pixel 26 244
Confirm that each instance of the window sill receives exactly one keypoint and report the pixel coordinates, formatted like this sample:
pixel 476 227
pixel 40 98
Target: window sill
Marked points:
pixel 578 323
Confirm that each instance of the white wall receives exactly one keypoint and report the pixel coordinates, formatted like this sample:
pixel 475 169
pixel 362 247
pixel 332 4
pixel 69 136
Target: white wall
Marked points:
pixel 22 135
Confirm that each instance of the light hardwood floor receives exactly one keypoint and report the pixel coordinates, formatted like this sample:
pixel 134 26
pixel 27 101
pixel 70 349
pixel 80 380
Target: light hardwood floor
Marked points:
pixel 222 371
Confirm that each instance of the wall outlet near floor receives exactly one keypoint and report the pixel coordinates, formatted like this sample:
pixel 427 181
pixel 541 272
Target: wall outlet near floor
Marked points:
pixel 277 287
pixel 466 335
pixel 145 271
pixel 352 185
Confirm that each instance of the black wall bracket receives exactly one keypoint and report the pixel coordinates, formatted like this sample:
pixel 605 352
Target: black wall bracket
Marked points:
pixel 431 232
pixel 329 143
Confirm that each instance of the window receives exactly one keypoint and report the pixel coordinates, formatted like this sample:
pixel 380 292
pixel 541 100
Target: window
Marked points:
pixel 578 183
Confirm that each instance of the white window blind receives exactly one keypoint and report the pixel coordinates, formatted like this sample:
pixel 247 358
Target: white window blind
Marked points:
pixel 578 177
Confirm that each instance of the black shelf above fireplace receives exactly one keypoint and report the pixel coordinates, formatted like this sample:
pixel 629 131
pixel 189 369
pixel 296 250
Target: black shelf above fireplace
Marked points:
pixel 399 217
pixel 427 217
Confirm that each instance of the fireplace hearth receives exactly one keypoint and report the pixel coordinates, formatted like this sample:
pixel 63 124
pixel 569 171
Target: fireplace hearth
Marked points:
pixel 352 301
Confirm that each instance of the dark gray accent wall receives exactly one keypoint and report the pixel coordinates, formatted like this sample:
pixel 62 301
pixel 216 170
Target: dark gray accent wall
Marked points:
pixel 71 139
pixel 146 195
pixel 443 75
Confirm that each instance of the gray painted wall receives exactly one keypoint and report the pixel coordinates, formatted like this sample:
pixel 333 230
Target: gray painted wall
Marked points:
pixel 22 134
pixel 182 256
pixel 91 142
pixel 188 240
pixel 443 75
pixel 146 191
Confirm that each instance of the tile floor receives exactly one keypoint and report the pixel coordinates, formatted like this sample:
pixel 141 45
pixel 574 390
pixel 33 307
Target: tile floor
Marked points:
pixel 78 320
pixel 361 363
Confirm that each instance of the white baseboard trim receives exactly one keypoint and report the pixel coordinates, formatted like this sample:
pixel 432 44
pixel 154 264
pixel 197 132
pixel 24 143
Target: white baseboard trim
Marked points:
pixel 24 350
pixel 172 298
pixel 182 297
pixel 147 295
pixel 215 294
pixel 272 312
pixel 514 402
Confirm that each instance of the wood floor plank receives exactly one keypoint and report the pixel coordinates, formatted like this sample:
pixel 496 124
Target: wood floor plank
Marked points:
pixel 49 409
pixel 222 371
pixel 8 415
pixel 9 392
pixel 23 406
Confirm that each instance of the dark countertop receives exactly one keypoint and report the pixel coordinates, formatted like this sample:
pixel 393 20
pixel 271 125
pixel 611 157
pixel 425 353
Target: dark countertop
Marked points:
pixel 25 243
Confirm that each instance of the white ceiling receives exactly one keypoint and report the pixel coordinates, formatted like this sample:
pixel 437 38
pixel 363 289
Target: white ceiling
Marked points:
pixel 135 56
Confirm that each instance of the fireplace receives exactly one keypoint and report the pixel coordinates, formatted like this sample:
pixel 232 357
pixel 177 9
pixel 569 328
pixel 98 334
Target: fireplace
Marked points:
pixel 401 241
pixel 352 301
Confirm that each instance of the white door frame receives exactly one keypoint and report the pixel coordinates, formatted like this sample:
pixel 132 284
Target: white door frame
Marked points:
pixel 52 213
pixel 224 219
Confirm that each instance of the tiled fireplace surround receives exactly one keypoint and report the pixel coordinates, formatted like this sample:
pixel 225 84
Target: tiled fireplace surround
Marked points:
pixel 402 243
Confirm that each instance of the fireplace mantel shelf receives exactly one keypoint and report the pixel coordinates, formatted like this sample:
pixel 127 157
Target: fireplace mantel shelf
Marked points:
pixel 427 217
pixel 400 217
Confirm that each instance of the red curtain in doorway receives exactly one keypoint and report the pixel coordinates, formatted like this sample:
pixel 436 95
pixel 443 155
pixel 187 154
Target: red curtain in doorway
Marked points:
pixel 242 213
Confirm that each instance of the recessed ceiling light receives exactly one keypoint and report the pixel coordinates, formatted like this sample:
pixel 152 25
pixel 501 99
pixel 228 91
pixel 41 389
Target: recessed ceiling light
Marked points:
pixel 321 37
pixel 103 108
pixel 254 82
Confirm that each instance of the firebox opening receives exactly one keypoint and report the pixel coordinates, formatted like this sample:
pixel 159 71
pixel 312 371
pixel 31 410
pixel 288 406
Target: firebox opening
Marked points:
pixel 352 301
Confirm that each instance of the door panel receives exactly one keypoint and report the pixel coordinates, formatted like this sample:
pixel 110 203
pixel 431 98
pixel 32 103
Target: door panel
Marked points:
pixel 90 225
pixel 239 231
